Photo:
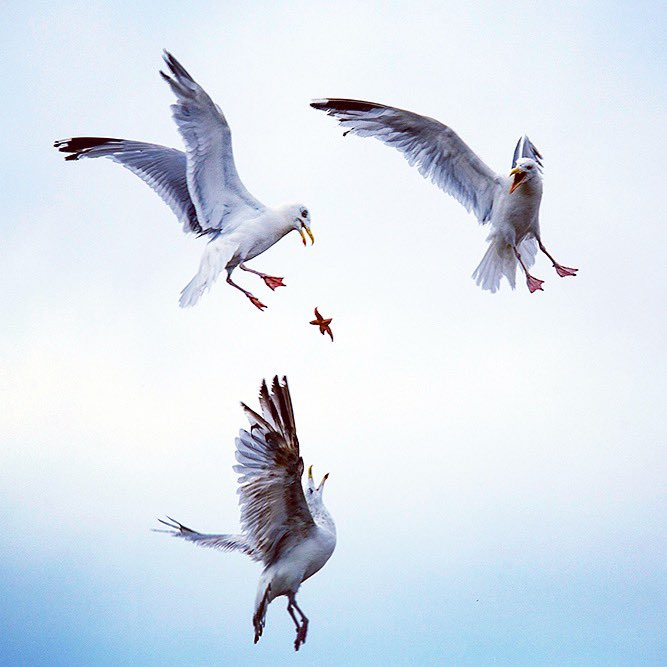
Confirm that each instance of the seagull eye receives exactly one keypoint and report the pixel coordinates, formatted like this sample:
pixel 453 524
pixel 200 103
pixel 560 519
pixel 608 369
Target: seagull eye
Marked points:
pixel 310 490
pixel 304 213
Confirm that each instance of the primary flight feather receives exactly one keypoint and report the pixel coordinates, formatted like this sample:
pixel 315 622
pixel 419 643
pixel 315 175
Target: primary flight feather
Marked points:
pixel 509 203
pixel 202 187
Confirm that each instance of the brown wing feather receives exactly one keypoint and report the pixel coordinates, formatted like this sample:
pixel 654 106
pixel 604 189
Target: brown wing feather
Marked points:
pixel 274 512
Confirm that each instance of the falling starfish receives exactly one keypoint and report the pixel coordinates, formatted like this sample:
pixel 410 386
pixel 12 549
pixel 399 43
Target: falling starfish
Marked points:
pixel 323 324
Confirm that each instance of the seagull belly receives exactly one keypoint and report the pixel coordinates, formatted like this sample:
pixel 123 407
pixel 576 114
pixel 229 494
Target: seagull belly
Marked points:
pixel 301 562
pixel 516 215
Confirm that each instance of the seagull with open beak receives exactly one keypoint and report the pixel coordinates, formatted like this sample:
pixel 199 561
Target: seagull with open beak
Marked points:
pixel 284 526
pixel 510 205
pixel 202 187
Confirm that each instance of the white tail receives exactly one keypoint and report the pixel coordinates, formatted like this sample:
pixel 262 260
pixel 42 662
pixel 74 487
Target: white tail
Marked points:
pixel 215 258
pixel 192 291
pixel 500 260
pixel 261 603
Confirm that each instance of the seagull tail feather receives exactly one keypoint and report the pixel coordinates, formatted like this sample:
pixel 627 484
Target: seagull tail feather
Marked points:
pixel 192 292
pixel 261 603
pixel 498 261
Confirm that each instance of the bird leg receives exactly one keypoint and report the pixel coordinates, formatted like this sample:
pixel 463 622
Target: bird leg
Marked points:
pixel 253 299
pixel 302 630
pixel 271 281
pixel 562 271
pixel 533 283
pixel 290 609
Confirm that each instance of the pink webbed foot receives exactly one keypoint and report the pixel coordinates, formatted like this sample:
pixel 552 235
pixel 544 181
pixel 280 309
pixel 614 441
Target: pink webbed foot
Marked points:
pixel 563 271
pixel 272 282
pixel 256 302
pixel 534 284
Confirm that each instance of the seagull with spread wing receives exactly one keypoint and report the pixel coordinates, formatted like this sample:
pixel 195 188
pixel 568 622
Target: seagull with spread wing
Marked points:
pixel 510 204
pixel 202 187
pixel 289 531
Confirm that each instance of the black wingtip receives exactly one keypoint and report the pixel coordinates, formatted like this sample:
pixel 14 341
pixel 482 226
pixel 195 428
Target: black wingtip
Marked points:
pixel 333 104
pixel 77 146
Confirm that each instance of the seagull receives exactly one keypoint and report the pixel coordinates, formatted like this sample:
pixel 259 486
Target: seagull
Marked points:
pixel 288 530
pixel 510 203
pixel 202 187
pixel 323 323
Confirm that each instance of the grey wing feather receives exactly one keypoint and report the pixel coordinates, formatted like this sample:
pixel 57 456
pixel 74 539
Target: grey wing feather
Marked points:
pixel 222 542
pixel 213 182
pixel 526 148
pixel 274 512
pixel 162 168
pixel 435 149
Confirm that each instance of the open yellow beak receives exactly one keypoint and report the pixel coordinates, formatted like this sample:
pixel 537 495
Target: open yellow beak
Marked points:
pixel 519 175
pixel 310 472
pixel 324 479
pixel 303 236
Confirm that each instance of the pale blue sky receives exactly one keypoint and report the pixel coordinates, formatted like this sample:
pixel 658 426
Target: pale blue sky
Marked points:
pixel 497 461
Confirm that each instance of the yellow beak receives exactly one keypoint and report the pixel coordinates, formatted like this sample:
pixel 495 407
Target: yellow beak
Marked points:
pixel 519 175
pixel 303 236
pixel 310 472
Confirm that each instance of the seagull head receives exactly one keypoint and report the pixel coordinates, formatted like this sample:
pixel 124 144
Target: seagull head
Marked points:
pixel 525 171
pixel 298 217
pixel 314 493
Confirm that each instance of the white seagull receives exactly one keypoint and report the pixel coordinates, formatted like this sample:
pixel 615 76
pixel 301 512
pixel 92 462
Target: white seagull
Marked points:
pixel 202 187
pixel 289 531
pixel 511 204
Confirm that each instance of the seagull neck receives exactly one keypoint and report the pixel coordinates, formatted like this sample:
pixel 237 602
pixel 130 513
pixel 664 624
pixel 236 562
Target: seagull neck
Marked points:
pixel 322 517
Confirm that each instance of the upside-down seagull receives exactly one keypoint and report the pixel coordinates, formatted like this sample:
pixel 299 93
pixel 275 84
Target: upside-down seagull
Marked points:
pixel 511 204
pixel 202 187
pixel 289 531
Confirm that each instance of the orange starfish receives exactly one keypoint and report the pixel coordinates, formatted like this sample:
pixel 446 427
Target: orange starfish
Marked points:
pixel 323 324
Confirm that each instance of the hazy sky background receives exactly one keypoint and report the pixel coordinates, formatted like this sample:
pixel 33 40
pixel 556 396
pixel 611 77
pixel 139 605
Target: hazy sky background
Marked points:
pixel 497 461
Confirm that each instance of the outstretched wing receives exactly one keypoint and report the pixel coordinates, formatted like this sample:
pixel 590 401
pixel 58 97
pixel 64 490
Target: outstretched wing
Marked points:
pixel 214 184
pixel 164 169
pixel 526 148
pixel 435 149
pixel 222 542
pixel 274 513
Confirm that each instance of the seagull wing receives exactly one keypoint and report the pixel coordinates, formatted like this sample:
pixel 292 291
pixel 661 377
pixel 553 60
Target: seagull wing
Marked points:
pixel 214 184
pixel 526 148
pixel 222 542
pixel 274 512
pixel 435 149
pixel 164 169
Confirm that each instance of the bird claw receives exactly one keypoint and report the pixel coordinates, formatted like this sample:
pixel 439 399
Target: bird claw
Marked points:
pixel 534 284
pixel 564 271
pixel 272 282
pixel 301 633
pixel 256 302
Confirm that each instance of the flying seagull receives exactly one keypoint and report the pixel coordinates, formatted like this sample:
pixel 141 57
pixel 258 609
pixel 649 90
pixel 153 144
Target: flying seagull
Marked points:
pixel 510 203
pixel 202 187
pixel 289 531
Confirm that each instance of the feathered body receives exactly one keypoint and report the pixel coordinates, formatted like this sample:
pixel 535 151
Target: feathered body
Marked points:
pixel 289 531
pixel 509 205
